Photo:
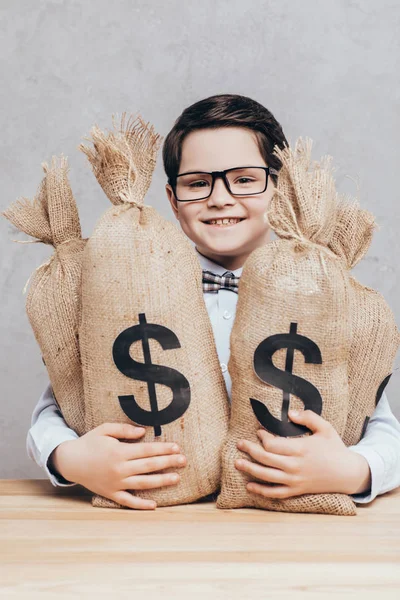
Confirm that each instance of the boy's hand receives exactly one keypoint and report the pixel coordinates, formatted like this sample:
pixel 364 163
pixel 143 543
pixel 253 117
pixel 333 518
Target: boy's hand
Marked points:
pixel 314 464
pixel 107 466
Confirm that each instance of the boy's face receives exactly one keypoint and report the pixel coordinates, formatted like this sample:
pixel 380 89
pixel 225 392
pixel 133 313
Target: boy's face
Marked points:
pixel 217 150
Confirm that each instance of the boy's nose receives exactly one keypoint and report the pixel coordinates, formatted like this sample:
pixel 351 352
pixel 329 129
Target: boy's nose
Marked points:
pixel 220 195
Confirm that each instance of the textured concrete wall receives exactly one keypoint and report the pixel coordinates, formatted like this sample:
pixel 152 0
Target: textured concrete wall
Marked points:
pixel 328 70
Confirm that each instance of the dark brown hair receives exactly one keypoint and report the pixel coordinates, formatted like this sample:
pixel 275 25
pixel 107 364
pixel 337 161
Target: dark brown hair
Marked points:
pixel 224 110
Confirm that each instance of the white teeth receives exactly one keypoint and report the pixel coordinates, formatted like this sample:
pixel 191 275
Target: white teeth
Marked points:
pixel 223 221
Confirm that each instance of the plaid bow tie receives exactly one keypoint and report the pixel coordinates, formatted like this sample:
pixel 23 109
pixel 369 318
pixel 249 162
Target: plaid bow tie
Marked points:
pixel 213 282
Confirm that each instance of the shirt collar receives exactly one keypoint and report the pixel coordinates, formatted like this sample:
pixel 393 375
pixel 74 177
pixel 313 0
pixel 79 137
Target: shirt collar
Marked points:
pixel 209 265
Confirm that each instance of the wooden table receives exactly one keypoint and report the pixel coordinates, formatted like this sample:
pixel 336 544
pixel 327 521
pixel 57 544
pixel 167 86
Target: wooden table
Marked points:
pixel 55 544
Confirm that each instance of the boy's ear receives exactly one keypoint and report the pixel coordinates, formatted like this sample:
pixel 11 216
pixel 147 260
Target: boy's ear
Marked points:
pixel 172 199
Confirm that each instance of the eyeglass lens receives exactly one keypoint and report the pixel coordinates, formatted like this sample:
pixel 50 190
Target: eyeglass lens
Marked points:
pixel 243 181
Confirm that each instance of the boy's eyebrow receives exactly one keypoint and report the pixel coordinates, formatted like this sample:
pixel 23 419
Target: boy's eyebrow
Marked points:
pixel 194 171
pixel 220 171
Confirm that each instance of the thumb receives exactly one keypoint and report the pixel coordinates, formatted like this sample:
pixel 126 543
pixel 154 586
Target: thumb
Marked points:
pixel 309 419
pixel 122 430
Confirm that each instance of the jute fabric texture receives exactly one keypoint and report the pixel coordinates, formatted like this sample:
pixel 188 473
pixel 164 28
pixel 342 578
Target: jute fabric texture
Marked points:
pixel 53 298
pixel 140 271
pixel 375 336
pixel 294 284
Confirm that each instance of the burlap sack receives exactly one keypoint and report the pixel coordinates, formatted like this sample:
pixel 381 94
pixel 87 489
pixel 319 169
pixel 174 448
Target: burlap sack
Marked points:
pixel 53 300
pixel 376 338
pixel 142 301
pixel 294 284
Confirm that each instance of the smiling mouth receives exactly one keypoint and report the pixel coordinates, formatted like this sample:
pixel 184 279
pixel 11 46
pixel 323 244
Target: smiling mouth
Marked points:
pixel 229 224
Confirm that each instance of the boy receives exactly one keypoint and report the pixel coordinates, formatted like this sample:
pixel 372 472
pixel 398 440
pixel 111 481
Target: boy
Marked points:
pixel 219 133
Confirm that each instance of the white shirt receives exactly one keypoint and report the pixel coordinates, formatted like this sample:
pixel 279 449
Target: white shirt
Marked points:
pixel 380 444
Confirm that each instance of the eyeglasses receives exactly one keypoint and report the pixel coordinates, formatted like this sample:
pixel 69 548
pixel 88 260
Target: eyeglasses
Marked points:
pixel 239 181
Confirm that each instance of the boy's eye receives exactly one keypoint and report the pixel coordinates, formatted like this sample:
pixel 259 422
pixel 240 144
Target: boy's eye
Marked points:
pixel 199 183
pixel 243 180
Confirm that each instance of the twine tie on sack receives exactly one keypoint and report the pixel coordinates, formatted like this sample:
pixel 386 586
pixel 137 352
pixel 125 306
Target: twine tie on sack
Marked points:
pixel 296 234
pixel 213 282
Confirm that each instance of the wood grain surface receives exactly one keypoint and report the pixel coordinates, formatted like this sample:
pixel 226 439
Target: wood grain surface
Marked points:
pixel 55 544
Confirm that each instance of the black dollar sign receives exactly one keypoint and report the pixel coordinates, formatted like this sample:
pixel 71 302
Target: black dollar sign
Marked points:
pixel 284 380
pixel 152 374
pixel 378 396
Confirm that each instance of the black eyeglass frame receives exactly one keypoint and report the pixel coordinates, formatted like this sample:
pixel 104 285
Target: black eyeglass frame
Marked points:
pixel 222 174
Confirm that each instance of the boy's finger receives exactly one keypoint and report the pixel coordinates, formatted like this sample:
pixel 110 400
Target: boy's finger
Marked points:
pixel 148 482
pixel 266 474
pixel 310 419
pixel 277 461
pixel 127 499
pixel 280 445
pixel 147 449
pixel 121 430
pixel 153 464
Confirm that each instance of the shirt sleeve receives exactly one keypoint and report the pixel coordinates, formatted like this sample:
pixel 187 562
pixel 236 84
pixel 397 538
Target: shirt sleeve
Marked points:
pixel 381 448
pixel 48 430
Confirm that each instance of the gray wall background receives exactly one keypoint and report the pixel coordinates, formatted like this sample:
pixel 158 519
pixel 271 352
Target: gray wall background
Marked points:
pixel 328 70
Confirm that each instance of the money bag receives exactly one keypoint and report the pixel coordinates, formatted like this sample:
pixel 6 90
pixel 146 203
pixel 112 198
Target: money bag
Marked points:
pixel 376 338
pixel 148 352
pixel 292 334
pixel 53 299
